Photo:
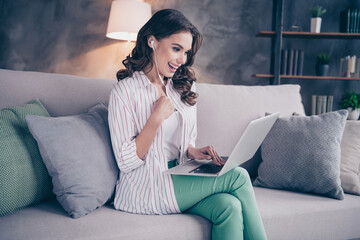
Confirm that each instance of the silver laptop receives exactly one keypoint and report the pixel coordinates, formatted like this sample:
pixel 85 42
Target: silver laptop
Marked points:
pixel 244 150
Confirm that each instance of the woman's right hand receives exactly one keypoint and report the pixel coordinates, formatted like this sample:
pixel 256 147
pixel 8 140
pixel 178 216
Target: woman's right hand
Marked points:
pixel 163 108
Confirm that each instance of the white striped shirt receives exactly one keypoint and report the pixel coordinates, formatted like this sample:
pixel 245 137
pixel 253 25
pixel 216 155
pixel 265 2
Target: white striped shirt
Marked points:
pixel 142 187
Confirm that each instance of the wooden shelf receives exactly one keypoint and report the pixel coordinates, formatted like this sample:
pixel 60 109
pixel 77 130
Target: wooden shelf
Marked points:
pixel 324 35
pixel 306 77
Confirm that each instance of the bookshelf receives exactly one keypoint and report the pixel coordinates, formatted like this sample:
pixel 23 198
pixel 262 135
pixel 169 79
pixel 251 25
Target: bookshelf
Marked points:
pixel 278 35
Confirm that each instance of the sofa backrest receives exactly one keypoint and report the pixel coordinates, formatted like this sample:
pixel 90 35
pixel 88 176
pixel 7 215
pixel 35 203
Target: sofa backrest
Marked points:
pixel 61 94
pixel 223 110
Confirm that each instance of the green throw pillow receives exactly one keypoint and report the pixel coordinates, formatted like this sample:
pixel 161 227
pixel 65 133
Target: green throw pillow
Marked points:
pixel 24 179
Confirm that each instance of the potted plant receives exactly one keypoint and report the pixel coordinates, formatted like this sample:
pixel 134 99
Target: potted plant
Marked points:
pixel 316 13
pixel 351 102
pixel 322 64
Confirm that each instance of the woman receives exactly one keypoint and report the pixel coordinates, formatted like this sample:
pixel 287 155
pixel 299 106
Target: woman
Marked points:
pixel 152 119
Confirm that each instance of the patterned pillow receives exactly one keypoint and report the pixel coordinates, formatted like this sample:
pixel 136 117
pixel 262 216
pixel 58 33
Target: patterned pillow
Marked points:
pixel 24 179
pixel 303 154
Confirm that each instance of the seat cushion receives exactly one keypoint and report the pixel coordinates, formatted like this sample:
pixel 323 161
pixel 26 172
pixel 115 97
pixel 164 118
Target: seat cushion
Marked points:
pixel 49 221
pixel 286 215
pixel 298 216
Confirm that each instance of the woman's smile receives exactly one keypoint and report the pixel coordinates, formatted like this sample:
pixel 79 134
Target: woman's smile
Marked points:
pixel 173 67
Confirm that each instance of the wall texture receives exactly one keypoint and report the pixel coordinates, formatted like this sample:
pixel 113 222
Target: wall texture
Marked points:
pixel 66 36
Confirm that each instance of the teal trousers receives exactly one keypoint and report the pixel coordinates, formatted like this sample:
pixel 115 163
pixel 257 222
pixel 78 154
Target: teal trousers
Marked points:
pixel 227 201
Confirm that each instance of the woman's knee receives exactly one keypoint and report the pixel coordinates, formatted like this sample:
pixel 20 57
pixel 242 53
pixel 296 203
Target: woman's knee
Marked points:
pixel 241 173
pixel 227 207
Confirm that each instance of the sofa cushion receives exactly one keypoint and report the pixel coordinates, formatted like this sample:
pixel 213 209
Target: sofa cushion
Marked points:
pixel 298 216
pixel 78 155
pixel 48 221
pixel 350 158
pixel 303 154
pixel 224 111
pixel 286 215
pixel 24 179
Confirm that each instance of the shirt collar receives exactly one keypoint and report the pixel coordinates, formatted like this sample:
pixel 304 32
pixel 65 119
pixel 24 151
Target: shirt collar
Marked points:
pixel 146 82
pixel 144 79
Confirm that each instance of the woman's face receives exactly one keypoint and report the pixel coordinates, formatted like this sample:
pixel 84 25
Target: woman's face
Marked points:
pixel 171 52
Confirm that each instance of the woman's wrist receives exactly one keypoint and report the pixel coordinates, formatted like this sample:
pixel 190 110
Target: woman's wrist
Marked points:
pixel 155 119
pixel 189 152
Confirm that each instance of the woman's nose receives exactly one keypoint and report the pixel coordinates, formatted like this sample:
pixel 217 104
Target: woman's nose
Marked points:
pixel 182 59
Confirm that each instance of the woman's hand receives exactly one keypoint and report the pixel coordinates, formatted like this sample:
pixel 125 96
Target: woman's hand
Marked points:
pixel 207 152
pixel 163 108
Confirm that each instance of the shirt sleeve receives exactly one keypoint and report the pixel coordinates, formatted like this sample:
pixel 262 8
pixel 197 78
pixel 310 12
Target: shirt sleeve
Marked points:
pixel 122 132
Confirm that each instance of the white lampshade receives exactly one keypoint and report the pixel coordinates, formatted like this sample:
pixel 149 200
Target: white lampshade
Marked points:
pixel 126 18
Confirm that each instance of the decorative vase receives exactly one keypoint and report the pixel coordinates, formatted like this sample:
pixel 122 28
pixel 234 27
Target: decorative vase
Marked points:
pixel 315 25
pixel 353 114
pixel 322 70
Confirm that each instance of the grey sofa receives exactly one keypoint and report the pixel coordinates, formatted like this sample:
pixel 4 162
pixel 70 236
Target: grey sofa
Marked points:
pixel 286 215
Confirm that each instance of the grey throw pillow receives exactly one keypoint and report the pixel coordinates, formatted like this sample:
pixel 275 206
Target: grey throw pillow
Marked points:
pixel 303 154
pixel 78 155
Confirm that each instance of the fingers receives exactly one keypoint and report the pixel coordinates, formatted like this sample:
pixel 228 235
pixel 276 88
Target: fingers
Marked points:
pixel 163 107
pixel 214 155
pixel 220 160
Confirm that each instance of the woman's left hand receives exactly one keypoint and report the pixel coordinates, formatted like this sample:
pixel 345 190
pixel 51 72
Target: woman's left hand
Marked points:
pixel 207 152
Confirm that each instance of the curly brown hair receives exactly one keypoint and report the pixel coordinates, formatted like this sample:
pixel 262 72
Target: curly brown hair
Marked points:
pixel 161 25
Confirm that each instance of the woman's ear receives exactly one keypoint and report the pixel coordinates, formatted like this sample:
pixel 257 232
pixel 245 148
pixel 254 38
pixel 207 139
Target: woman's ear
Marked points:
pixel 151 41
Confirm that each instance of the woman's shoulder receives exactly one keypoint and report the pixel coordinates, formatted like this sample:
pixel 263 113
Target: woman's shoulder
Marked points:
pixel 128 86
pixel 127 83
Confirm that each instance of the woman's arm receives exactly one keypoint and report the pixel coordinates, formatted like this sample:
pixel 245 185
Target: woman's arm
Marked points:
pixel 163 108
pixel 122 133
pixel 207 152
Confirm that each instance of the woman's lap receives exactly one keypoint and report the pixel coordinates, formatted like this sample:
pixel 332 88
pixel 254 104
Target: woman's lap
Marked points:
pixel 210 198
pixel 190 190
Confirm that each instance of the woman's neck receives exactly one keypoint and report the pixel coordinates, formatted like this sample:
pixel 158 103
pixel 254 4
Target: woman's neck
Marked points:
pixel 152 75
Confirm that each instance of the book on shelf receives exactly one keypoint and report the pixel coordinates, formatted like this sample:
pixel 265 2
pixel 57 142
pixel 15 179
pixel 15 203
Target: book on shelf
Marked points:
pixel 355 17
pixel 321 104
pixel 296 57
pixel 350 21
pixel 358 21
pixel 301 63
pixel 345 21
pixel 284 57
pixel 357 71
pixel 292 62
pixel 329 105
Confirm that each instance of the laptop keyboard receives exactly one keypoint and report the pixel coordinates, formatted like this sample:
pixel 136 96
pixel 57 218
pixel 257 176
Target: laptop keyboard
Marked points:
pixel 207 168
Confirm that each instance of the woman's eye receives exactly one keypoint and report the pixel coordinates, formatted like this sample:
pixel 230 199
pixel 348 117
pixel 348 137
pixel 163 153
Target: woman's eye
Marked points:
pixel 176 49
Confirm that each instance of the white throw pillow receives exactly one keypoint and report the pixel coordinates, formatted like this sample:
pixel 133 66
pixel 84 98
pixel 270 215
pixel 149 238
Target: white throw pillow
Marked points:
pixel 350 158
pixel 224 111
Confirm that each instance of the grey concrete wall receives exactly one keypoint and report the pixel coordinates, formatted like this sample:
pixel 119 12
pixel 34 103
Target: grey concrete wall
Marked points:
pixel 66 36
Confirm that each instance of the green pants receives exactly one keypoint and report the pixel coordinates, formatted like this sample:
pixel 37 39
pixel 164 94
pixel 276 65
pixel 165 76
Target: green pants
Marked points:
pixel 227 201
